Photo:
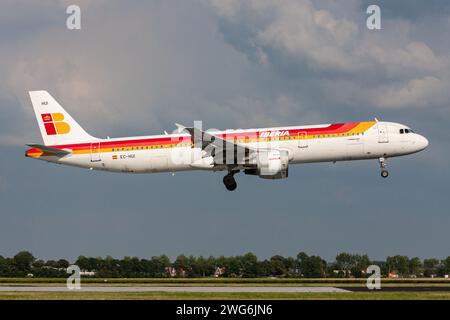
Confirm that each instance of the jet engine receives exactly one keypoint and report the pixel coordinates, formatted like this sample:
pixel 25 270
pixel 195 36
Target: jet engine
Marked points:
pixel 270 164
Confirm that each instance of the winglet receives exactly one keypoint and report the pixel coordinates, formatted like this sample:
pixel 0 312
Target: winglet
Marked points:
pixel 180 127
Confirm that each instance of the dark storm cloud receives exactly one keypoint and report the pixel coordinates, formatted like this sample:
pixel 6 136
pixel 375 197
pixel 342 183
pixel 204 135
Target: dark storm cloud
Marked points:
pixel 411 9
pixel 137 67
pixel 390 68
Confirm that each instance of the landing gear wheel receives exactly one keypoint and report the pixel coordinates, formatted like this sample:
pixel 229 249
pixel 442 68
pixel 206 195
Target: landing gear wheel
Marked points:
pixel 384 172
pixel 229 182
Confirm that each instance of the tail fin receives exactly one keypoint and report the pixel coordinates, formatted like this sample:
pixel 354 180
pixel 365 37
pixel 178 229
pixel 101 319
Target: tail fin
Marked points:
pixel 56 125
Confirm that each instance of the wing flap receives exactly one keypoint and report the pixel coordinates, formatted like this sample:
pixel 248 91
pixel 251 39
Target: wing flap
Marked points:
pixel 223 151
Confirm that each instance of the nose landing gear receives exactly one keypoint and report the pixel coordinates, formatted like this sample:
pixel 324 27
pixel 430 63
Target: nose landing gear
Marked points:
pixel 384 172
pixel 229 181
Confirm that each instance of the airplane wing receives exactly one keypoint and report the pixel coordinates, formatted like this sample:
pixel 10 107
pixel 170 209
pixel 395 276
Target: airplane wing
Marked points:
pixel 50 150
pixel 224 152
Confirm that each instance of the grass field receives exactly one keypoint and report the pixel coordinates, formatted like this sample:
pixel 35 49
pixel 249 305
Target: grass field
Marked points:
pixel 224 295
pixel 224 281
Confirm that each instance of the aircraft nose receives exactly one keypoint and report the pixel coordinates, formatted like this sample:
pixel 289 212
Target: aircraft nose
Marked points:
pixel 422 142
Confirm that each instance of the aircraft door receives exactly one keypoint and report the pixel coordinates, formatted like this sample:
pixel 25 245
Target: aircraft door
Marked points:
pixel 302 140
pixel 95 152
pixel 383 136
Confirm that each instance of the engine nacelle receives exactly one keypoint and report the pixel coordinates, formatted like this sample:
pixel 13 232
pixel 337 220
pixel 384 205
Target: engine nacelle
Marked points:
pixel 271 164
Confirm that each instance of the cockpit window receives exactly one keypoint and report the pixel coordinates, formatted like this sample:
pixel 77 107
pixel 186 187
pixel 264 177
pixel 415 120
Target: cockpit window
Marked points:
pixel 402 131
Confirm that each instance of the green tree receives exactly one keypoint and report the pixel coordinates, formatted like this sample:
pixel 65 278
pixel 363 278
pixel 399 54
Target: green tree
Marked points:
pixel 6 267
pixel 249 263
pixel 62 263
pixel 278 266
pixel 430 267
pixel 264 269
pixel 398 263
pixel 211 264
pixel 352 264
pixel 51 263
pixel 344 263
pixel 415 266
pixel 130 267
pixel 202 267
pixel 290 266
pixel 183 265
pixel 38 264
pixel 311 266
pixel 160 265
pixel 82 262
pixel 23 261
pixel 360 266
pixel 446 265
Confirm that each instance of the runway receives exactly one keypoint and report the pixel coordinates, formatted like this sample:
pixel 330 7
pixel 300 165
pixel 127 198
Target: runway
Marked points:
pixel 171 289
pixel 210 289
pixel 402 289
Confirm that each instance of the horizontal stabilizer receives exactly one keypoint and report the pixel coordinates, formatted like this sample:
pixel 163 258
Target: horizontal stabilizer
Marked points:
pixel 50 150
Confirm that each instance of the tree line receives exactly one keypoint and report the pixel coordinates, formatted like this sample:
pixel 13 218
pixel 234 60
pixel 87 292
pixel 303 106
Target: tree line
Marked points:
pixel 346 265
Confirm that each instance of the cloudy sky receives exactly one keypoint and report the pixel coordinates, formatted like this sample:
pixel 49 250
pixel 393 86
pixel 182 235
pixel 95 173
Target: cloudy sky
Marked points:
pixel 137 67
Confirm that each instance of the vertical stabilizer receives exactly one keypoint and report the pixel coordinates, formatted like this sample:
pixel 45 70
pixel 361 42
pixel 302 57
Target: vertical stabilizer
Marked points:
pixel 56 125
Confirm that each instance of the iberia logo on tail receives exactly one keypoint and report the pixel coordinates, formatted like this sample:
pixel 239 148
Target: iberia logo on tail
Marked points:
pixel 54 123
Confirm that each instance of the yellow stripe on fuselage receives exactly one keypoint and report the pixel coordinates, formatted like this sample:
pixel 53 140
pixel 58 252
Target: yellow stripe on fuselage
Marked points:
pixel 360 128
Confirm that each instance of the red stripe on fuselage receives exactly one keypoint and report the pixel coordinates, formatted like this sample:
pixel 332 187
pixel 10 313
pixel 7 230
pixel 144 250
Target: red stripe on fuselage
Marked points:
pixel 331 129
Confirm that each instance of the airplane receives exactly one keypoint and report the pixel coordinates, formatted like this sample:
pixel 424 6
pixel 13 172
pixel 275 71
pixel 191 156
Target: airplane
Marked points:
pixel 264 152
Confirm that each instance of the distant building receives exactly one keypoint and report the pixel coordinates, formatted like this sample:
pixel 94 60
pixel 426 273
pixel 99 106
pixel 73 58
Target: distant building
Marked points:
pixel 393 274
pixel 171 272
pixel 182 273
pixel 219 272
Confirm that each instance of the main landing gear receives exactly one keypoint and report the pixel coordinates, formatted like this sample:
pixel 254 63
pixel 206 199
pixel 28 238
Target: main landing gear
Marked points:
pixel 229 181
pixel 384 172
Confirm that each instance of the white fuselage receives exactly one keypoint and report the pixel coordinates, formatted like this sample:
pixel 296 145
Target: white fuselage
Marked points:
pixel 304 144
